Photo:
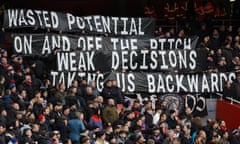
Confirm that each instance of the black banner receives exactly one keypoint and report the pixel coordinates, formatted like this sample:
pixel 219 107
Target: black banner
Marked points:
pixel 91 53
pixel 140 60
pixel 66 22
pixel 41 44
pixel 152 82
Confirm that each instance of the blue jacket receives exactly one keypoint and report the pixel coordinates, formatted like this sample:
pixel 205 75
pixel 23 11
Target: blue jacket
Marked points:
pixel 76 126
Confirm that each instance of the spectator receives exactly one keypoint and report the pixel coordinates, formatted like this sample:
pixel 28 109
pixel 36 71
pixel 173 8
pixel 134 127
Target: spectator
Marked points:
pixel 156 135
pixel 149 117
pixel 61 93
pixel 140 139
pixel 95 91
pixel 71 98
pixel 201 137
pixel 224 138
pixel 215 40
pixel 110 114
pixel 27 136
pixel 170 137
pixel 61 126
pixel 117 92
pixel 2 133
pixel 236 87
pixel 89 94
pixel 107 91
pixel 185 135
pixel 101 138
pixel 156 115
pixel 227 53
pixel 85 140
pixel 27 85
pixel 76 126
pixel 171 120
pixel 96 120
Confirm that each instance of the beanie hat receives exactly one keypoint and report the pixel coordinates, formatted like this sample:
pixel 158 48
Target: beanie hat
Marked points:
pixel 41 117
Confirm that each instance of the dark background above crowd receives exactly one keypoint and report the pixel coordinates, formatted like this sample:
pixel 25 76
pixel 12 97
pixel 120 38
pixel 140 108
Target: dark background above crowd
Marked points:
pixel 136 8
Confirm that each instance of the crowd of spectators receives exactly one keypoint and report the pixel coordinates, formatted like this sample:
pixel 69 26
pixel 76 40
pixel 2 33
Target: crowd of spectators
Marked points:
pixel 32 111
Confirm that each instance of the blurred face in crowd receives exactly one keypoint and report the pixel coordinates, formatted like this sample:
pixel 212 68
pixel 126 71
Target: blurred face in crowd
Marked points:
pixel 28 78
pixel 27 70
pixel 181 33
pixel 75 83
pixel 219 51
pixel 141 140
pixel 237 38
pixel 4 60
pixel 164 104
pixel 131 116
pixel 238 77
pixel 225 135
pixel 5 54
pixel 89 90
pixel 228 84
pixel 19 60
pixel 40 101
pixel 215 125
pixel 125 128
pixel 139 122
pixel 62 87
pixel 128 123
pixel 177 129
pixel 45 94
pixel 31 117
pixel 16 106
pixel 28 132
pixel 81 116
pixel 185 129
pixel 171 134
pixel 236 45
pixel 99 99
pixel 163 117
pixel 46 111
pixel 84 82
pixel 114 83
pixel 35 127
pixel 236 60
pixel 215 33
pixel 14 90
pixel 74 90
pixel 223 123
pixel 66 111
pixel 109 83
pixel 10 70
pixel 206 39
pixel 167 34
pixel 2 129
pixel 38 95
pixel 156 132
pixel 230 28
pixel 4 113
pixel 93 84
pixel 111 102
pixel 188 111
pixel 56 134
pixel 58 107
pixel 148 105
pixel 136 104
